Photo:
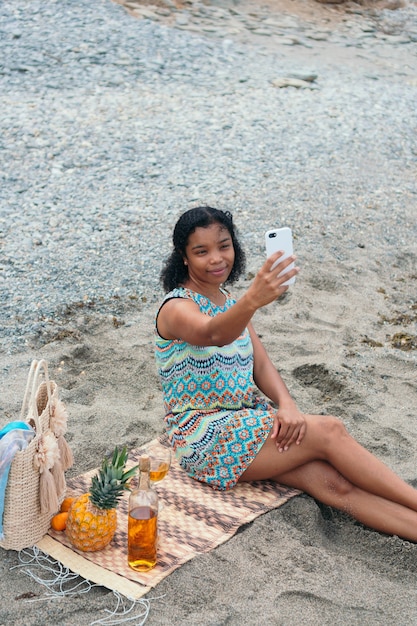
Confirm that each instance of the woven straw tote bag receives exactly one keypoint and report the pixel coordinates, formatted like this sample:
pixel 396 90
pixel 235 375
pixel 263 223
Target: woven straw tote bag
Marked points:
pixel 36 483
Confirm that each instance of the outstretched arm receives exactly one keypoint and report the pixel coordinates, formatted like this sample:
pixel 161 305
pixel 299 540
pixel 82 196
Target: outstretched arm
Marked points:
pixel 182 319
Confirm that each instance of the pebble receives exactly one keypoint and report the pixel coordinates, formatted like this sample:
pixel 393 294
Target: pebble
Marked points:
pixel 112 125
pixel 298 83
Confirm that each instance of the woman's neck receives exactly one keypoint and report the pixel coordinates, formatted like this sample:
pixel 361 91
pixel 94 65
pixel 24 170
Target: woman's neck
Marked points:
pixel 213 293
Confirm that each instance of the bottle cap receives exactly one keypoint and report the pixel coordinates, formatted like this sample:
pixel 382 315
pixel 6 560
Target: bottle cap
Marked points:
pixel 144 463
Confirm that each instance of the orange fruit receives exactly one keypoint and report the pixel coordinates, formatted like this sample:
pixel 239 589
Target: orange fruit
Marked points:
pixel 66 504
pixel 59 521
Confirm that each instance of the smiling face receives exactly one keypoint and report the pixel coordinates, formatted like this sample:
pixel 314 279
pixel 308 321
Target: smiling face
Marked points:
pixel 209 256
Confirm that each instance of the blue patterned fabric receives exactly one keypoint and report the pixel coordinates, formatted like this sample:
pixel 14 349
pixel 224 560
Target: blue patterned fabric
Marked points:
pixel 215 420
pixel 14 437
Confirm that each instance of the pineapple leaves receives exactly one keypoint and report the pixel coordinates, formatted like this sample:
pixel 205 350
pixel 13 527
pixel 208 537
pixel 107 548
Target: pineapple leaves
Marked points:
pixel 108 484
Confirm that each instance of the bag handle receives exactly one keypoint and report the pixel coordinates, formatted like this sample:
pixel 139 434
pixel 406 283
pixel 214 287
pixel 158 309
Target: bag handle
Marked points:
pixel 29 399
pixel 28 389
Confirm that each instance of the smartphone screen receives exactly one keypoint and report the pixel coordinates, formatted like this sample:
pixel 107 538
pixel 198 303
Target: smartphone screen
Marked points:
pixel 280 239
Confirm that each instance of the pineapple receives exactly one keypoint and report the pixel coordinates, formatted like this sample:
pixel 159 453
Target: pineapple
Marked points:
pixel 92 518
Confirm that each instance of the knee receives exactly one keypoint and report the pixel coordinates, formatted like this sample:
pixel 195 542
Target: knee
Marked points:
pixel 338 486
pixel 332 428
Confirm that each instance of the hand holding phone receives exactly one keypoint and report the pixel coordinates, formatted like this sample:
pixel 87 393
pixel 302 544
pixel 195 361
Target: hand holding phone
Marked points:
pixel 280 239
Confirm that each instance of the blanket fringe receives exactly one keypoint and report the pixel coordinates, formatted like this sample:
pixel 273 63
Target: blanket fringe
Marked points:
pixel 123 613
pixel 57 578
pixel 61 582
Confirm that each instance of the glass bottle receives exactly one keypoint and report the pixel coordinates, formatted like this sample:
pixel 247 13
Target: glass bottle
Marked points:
pixel 142 531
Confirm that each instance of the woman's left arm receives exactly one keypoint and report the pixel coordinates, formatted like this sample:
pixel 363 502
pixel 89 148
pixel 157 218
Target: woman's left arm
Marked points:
pixel 289 426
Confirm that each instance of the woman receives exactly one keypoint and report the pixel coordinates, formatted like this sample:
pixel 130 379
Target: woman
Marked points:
pixel 210 360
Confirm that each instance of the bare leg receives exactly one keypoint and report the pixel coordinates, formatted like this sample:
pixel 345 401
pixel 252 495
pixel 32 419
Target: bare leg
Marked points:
pixel 326 439
pixel 324 483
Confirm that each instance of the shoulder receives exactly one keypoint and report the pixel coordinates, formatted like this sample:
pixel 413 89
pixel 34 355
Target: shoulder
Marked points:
pixel 174 307
pixel 178 294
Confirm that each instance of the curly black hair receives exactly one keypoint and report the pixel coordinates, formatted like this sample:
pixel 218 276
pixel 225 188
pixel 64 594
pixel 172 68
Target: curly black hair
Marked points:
pixel 174 272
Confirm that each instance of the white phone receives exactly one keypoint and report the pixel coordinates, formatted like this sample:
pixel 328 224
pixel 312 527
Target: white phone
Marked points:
pixel 280 239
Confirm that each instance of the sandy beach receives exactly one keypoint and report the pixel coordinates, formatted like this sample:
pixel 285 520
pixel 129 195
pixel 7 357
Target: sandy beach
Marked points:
pixel 344 338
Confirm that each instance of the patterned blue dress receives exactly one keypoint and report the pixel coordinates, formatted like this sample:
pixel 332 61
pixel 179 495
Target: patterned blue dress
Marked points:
pixel 215 419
